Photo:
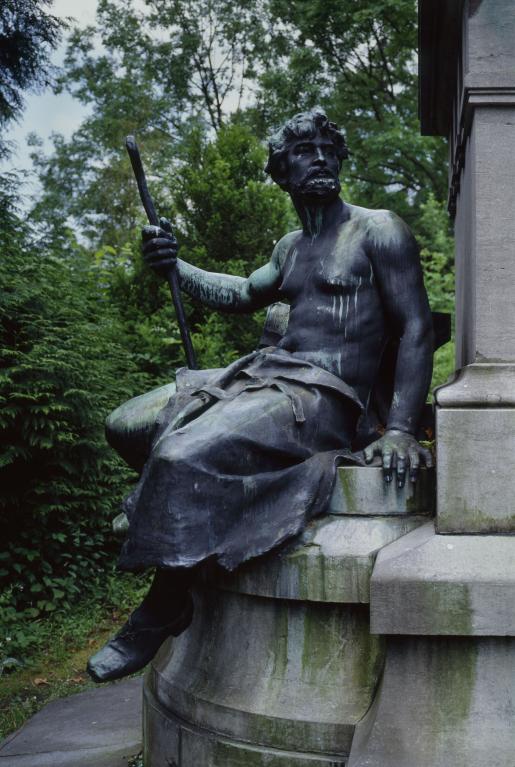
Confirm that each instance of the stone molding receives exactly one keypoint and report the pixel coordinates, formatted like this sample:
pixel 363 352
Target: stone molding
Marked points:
pixel 479 385
pixel 427 584
pixel 475 95
pixel 332 562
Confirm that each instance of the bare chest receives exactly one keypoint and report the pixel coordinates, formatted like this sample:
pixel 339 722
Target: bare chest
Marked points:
pixel 326 267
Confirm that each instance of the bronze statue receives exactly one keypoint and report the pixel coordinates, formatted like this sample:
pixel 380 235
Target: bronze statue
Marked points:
pixel 240 459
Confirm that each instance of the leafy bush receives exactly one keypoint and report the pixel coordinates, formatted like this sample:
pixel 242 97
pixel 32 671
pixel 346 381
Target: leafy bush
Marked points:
pixel 62 369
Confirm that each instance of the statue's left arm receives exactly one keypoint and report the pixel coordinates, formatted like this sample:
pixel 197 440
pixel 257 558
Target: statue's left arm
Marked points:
pixel 395 259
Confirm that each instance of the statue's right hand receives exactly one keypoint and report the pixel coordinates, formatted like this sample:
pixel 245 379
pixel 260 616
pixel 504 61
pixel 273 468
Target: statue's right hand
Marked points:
pixel 159 247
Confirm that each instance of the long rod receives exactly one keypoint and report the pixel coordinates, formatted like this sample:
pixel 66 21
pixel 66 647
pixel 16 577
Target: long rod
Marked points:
pixel 173 280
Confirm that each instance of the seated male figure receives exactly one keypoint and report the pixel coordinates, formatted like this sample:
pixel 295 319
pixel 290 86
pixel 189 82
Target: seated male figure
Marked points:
pixel 242 458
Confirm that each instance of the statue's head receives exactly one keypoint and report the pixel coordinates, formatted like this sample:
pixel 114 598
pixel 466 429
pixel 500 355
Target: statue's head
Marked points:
pixel 306 154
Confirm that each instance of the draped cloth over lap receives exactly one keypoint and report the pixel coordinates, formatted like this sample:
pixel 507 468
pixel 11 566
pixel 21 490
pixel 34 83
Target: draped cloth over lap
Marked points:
pixel 242 459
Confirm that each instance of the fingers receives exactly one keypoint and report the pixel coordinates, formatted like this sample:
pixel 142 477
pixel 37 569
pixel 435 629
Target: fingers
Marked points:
pixel 150 232
pixel 387 464
pixel 158 243
pixel 402 455
pixel 414 464
pixel 165 224
pixel 160 252
pixel 370 451
pixel 401 469
pixel 162 266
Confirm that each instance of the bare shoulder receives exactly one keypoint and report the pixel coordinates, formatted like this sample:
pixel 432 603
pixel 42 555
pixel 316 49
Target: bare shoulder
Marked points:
pixel 283 247
pixel 383 228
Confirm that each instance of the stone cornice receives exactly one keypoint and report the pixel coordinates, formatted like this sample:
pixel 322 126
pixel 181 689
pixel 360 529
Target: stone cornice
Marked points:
pixel 474 96
pixel 479 385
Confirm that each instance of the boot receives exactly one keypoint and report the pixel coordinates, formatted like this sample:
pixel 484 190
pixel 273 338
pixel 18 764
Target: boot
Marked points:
pixel 167 610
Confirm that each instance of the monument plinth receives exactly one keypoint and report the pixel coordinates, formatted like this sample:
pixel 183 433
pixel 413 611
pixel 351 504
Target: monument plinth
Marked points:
pixel 279 665
pixel 468 95
pixel 443 596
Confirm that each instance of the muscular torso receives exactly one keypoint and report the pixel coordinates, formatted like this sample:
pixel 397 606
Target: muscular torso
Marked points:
pixel 356 281
pixel 336 317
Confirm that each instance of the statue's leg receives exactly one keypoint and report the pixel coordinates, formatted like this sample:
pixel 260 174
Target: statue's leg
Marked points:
pixel 211 488
pixel 131 427
pixel 233 483
pixel 166 610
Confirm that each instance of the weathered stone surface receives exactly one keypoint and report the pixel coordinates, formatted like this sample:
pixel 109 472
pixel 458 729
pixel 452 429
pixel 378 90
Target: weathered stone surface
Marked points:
pixel 488 44
pixel 479 385
pixel 362 491
pixel 279 664
pixel 485 268
pixel 445 584
pixel 175 742
pixel 493 225
pixel 442 703
pixel 476 470
pixel 99 727
pixel 278 674
pixel 332 562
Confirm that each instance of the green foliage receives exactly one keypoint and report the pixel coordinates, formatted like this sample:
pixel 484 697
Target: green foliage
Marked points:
pixel 52 652
pixel 359 61
pixel 437 254
pixel 230 217
pixel 62 369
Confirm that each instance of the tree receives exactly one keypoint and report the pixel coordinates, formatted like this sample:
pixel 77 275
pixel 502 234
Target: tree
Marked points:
pixel 183 64
pixel 27 36
pixel 359 61
pixel 160 74
pixel 180 73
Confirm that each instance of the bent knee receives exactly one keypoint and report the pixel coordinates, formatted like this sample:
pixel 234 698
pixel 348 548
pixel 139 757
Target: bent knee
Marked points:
pixel 131 428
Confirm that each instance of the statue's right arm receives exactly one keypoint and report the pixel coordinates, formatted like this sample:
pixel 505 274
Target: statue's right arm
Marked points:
pixel 224 292
pixel 227 292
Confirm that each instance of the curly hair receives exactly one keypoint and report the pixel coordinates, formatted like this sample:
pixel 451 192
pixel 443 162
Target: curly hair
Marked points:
pixel 304 125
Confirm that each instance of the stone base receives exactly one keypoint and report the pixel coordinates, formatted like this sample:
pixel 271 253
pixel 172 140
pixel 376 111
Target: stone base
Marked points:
pixel 475 427
pixel 175 742
pixel 279 666
pixel 476 470
pixel 284 676
pixel 461 585
pixel 443 702
pixel 447 693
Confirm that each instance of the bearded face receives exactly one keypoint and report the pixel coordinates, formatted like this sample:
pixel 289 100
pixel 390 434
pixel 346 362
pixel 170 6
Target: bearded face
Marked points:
pixel 313 168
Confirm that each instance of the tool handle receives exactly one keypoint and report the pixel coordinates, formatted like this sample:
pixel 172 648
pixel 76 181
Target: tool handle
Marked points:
pixel 153 219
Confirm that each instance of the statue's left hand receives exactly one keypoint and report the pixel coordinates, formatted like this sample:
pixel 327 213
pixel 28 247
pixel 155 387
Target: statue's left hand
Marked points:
pixel 401 451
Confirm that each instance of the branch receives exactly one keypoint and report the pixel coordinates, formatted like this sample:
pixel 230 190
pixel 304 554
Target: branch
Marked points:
pixel 385 63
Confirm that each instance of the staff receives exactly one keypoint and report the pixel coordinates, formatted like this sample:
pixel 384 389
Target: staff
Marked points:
pixel 173 281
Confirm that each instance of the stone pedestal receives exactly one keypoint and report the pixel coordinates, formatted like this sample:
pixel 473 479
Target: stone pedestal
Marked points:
pixel 475 426
pixel 279 664
pixel 446 608
pixel 442 703
pixel 468 94
pixel 443 598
